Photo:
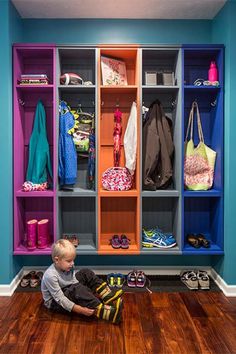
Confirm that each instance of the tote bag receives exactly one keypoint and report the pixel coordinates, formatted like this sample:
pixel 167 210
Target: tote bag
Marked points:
pixel 199 161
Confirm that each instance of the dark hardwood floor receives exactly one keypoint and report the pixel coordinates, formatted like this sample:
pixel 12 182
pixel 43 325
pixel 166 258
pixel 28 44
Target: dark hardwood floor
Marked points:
pixel 190 322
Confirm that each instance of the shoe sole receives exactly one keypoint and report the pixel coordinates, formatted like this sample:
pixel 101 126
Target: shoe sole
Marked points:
pixel 147 244
pixel 115 297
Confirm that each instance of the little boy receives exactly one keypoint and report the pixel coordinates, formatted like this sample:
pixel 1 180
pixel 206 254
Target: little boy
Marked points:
pixel 83 293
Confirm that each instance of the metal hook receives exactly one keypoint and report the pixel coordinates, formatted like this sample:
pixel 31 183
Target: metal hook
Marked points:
pixel 213 104
pixel 173 103
pixel 117 103
pixel 102 103
pixel 21 102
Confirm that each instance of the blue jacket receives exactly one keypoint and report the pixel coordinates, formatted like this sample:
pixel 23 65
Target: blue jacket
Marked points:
pixel 67 168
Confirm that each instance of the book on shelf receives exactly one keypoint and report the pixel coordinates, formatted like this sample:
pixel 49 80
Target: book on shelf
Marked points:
pixel 31 76
pixel 113 72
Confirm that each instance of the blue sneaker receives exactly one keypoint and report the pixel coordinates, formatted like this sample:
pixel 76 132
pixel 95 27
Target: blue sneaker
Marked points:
pixel 154 238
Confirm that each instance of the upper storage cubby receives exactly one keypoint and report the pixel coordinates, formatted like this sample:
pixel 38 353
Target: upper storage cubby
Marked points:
pixel 121 60
pixel 161 67
pixel 80 61
pixel 197 63
pixel 24 111
pixel 33 60
pixel 202 87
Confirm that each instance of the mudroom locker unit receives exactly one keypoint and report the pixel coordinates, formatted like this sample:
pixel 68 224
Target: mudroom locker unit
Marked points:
pixel 90 212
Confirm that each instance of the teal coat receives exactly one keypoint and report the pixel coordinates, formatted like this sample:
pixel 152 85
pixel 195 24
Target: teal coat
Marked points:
pixel 39 156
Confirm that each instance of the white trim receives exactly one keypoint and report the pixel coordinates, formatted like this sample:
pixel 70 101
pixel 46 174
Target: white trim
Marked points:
pixel 8 289
pixel 228 290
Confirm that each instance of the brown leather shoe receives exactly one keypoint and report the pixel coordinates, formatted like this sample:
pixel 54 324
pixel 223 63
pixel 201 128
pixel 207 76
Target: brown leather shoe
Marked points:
pixel 203 241
pixel 193 241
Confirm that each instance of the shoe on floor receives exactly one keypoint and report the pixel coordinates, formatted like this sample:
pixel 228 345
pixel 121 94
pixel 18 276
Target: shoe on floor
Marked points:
pixel 108 295
pixel 189 278
pixel 131 279
pixel 203 280
pixel 140 279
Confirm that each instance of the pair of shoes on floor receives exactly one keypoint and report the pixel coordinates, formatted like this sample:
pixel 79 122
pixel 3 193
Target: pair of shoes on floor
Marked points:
pixel 196 279
pixel 157 238
pixel 121 241
pixel 198 240
pixel 72 238
pixel 111 313
pixel 31 279
pixel 115 279
pixel 136 279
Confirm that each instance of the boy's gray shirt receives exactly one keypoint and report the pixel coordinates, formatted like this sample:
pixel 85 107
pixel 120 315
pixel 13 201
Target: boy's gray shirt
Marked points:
pixel 53 281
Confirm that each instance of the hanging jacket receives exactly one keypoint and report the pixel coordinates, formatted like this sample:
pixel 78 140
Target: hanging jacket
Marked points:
pixel 158 149
pixel 67 166
pixel 130 140
pixel 39 156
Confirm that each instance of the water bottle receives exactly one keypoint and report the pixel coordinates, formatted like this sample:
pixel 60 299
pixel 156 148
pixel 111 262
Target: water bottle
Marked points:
pixel 213 72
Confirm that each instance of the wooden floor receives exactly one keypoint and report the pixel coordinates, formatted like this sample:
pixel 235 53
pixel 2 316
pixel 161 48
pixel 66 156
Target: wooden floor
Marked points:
pixel 190 322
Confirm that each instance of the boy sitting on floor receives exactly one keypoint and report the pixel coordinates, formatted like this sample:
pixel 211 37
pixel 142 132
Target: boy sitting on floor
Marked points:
pixel 83 293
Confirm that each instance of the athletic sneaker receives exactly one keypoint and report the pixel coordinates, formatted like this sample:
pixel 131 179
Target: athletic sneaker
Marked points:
pixel 156 238
pixel 108 295
pixel 131 279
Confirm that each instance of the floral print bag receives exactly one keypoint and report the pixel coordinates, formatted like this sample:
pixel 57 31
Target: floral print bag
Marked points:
pixel 117 179
pixel 199 161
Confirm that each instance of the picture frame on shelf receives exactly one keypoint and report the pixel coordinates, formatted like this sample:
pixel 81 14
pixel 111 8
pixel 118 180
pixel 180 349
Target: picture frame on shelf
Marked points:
pixel 150 78
pixel 113 72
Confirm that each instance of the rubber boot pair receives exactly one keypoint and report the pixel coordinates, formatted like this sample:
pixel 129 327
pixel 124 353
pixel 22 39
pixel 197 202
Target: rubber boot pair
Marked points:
pixel 111 307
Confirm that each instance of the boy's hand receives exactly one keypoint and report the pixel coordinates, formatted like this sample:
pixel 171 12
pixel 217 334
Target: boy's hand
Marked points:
pixel 86 311
pixel 83 310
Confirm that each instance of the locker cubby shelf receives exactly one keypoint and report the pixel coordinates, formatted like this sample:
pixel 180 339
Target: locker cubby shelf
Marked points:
pixel 164 213
pixel 26 209
pixel 197 62
pixel 118 216
pixel 77 216
pixel 160 60
pixel 96 215
pixel 204 216
pixel 203 210
pixel 80 61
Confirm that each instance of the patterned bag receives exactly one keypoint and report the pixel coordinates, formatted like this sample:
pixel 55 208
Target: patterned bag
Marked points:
pixel 199 161
pixel 117 179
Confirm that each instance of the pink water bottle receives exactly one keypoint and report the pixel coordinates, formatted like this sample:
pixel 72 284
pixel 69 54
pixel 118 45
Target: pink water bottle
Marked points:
pixel 213 72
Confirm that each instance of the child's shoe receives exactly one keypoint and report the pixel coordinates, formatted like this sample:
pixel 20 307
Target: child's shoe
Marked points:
pixel 107 295
pixel 111 280
pixel 131 279
pixel 111 313
pixel 120 279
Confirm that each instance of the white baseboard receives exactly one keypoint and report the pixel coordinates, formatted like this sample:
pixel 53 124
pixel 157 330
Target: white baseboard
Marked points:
pixel 8 289
pixel 228 290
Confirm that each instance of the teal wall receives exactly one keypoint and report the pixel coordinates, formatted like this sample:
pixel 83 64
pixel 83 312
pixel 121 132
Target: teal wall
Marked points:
pixel 10 31
pixel 224 31
pixel 94 32
pixel 117 31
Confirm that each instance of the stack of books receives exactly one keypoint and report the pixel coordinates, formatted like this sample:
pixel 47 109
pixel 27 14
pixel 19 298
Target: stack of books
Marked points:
pixel 33 79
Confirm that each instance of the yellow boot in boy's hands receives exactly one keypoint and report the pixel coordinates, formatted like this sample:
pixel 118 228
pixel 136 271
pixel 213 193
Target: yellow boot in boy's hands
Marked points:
pixel 107 295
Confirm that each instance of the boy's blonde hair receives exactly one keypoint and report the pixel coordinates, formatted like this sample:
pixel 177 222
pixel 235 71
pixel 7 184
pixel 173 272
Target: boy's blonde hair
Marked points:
pixel 61 248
